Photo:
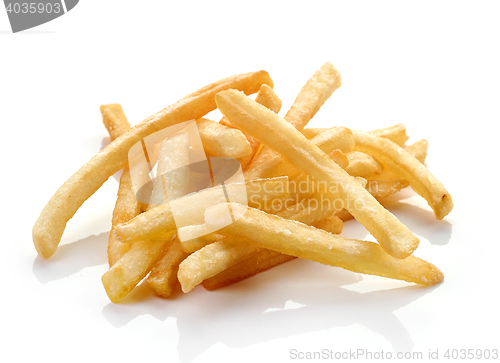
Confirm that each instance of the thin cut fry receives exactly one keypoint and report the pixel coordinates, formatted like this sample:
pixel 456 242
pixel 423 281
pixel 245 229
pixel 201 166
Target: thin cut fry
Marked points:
pixel 309 100
pixel 267 98
pixel 51 223
pixel 300 240
pixel 127 206
pixel 396 133
pixel 220 255
pixel 220 140
pixel 361 164
pixel 407 167
pixel 163 276
pixel 275 132
pixel 160 220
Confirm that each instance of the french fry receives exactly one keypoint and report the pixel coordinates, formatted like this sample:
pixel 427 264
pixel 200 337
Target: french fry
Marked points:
pixel 52 221
pixel 257 263
pixel 220 255
pixel 220 140
pixel 127 206
pixel 267 98
pixel 300 240
pixel 125 274
pixel 361 164
pixel 275 132
pixel 309 100
pixel 163 276
pixel 397 159
pixel 153 223
pixel 337 138
pixel 396 133
pixel 263 260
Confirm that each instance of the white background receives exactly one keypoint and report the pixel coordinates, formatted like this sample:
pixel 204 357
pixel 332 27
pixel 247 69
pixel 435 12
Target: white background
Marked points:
pixel 433 66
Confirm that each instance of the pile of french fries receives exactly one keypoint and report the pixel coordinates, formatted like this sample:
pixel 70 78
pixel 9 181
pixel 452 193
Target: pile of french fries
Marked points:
pixel 301 185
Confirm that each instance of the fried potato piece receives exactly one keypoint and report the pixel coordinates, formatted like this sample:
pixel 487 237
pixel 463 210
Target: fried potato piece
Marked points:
pixel 297 239
pixel 267 98
pixel 309 100
pixel 220 140
pixel 396 133
pixel 163 276
pixel 52 221
pixel 398 160
pixel 127 206
pixel 275 132
pixel 337 138
pixel 361 164
pixel 160 220
pixel 257 263
pixel 220 255
pixel 125 274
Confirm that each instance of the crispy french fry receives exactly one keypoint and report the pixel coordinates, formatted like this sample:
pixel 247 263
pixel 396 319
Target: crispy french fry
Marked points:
pixel 263 260
pixel 309 100
pixel 51 223
pixel 259 262
pixel 361 164
pixel 397 159
pixel 337 138
pixel 300 240
pixel 267 98
pixel 127 206
pixel 220 255
pixel 125 274
pixel 396 133
pixel 220 140
pixel 160 220
pixel 275 132
pixel 163 276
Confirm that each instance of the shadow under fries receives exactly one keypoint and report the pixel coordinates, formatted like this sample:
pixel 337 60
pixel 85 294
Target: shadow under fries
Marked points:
pixel 72 258
pixel 282 302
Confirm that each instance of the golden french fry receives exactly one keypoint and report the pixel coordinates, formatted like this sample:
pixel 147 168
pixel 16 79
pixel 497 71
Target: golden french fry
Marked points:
pixel 337 138
pixel 275 132
pixel 220 140
pixel 51 223
pixel 160 220
pixel 125 274
pixel 396 133
pixel 198 243
pixel 263 260
pixel 398 160
pixel 361 164
pixel 267 98
pixel 300 240
pixel 309 100
pixel 114 120
pixel 313 95
pixel 257 263
pixel 163 276
pixel 220 255
pixel 127 206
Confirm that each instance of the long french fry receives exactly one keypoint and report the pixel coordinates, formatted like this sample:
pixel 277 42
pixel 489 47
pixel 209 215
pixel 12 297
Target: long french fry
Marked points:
pixel 300 240
pixel 409 168
pixel 218 256
pixel 309 100
pixel 285 139
pixel 127 206
pixel 267 98
pixel 52 221
pixel 153 223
